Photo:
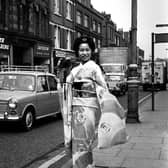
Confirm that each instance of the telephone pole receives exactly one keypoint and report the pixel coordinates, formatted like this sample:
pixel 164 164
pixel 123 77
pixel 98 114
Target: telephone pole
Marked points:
pixel 133 83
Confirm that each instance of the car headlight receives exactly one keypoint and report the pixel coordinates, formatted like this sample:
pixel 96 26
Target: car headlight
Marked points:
pixel 12 103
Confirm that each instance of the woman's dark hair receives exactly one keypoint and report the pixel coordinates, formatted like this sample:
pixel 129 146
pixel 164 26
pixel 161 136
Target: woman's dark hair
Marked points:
pixel 83 39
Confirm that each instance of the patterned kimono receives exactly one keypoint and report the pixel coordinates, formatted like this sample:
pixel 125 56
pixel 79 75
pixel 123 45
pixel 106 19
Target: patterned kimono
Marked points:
pixel 85 109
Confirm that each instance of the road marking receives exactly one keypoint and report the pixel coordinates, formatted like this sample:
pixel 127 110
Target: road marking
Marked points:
pixel 144 98
pixel 53 160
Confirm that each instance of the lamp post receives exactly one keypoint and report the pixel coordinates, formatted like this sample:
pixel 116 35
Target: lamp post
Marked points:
pixel 132 115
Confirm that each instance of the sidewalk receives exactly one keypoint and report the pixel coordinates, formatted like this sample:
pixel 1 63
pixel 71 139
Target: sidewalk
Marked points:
pixel 148 143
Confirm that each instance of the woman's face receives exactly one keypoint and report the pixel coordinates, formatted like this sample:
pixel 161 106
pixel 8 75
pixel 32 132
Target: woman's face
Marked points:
pixel 84 52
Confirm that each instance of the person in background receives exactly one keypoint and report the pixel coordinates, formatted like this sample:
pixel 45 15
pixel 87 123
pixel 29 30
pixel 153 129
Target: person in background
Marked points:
pixel 85 107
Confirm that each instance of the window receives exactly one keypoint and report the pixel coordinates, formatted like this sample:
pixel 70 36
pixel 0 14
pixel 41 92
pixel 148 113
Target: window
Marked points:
pixel 31 21
pixel 42 84
pixel 117 41
pixel 86 21
pixel 94 39
pixel 37 20
pixel 110 35
pixel 94 25
pixel 52 83
pixel 68 38
pixel 99 44
pixel 78 34
pixel 2 13
pixel 15 14
pixel 79 17
pixel 99 28
pixel 68 10
pixel 57 7
pixel 57 36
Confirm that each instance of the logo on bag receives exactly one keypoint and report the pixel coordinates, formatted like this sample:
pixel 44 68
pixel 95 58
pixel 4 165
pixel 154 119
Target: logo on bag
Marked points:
pixel 80 117
pixel 106 127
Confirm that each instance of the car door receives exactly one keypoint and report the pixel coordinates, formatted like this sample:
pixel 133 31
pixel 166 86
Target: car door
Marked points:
pixel 43 97
pixel 54 96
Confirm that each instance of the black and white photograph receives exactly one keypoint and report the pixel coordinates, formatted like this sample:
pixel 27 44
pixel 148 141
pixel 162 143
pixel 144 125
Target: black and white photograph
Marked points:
pixel 83 84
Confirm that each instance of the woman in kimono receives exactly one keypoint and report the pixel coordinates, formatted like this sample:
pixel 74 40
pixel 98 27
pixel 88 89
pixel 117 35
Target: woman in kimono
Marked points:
pixel 85 79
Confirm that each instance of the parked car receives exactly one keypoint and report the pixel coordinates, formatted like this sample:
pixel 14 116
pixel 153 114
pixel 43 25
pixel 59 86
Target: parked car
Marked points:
pixel 26 96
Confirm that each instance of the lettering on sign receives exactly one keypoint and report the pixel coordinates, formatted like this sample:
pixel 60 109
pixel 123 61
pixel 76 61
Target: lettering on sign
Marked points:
pixel 2 40
pixel 44 48
pixel 3 46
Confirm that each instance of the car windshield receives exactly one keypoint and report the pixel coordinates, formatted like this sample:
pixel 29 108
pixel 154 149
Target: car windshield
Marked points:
pixel 17 82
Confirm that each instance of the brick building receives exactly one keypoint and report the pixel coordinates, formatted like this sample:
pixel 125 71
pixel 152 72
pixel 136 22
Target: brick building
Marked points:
pixel 88 21
pixel 24 32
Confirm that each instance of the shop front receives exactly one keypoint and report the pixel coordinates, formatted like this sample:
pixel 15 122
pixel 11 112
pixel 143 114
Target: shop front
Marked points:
pixel 42 55
pixel 63 61
pixel 4 51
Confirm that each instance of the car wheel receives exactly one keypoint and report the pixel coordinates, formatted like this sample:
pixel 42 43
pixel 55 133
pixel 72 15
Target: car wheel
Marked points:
pixel 28 120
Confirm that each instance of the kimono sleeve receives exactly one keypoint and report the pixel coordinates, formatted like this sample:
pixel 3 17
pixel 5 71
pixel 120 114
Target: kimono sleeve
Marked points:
pixel 99 78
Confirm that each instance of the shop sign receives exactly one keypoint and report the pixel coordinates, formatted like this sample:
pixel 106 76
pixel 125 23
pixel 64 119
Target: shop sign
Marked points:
pixel 61 54
pixel 3 45
pixel 43 50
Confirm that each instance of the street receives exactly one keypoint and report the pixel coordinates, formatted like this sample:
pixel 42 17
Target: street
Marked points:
pixel 29 149
pixel 19 149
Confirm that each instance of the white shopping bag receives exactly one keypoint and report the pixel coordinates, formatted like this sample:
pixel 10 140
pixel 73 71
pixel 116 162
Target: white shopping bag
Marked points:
pixel 111 130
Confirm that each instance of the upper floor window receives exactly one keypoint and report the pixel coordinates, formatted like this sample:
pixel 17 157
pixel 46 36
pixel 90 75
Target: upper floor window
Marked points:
pixel 117 40
pixel 79 17
pixel 68 39
pixel 99 28
pixel 94 39
pixel 57 7
pixel 2 13
pixel 86 21
pixel 94 25
pixel 31 21
pixel 37 21
pixel 78 34
pixel 99 44
pixel 68 10
pixel 57 36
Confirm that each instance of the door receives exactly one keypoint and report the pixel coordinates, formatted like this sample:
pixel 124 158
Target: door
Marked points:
pixel 43 97
pixel 54 96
